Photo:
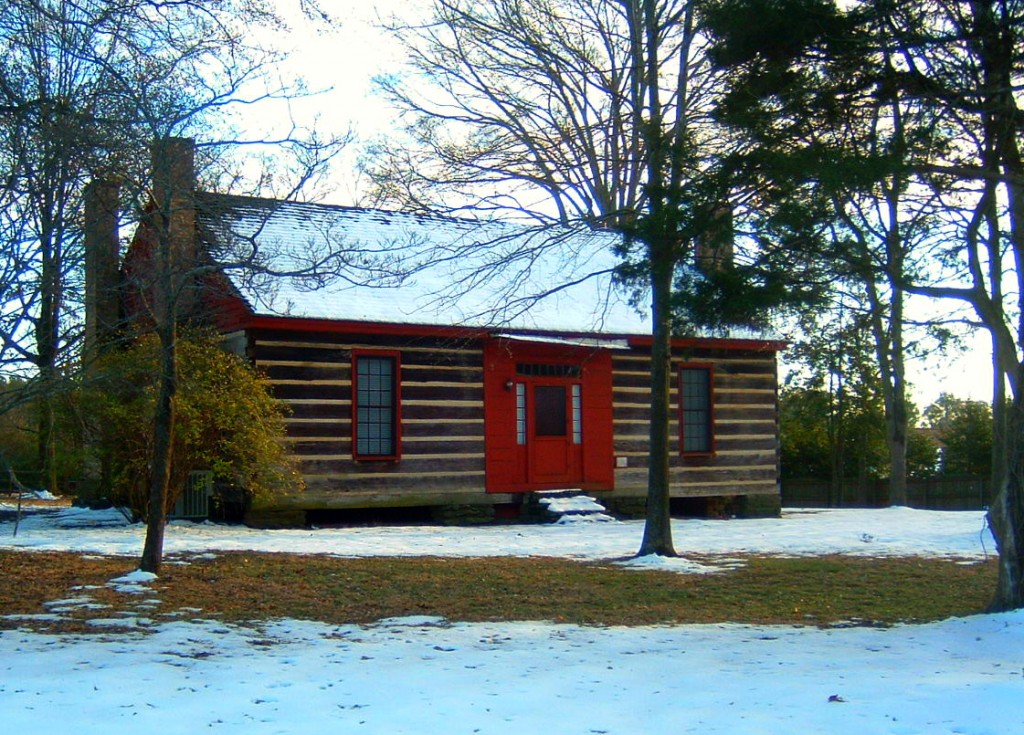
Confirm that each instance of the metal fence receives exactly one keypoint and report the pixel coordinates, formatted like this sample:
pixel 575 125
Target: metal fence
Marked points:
pixel 937 493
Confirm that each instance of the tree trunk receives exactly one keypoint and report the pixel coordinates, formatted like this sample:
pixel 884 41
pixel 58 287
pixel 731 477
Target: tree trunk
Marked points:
pixel 1006 516
pixel 992 29
pixel 172 234
pixel 661 233
pixel 889 352
pixel 45 426
pixel 163 433
pixel 999 427
pixel 837 438
pixel 658 528
pixel 894 397
pixel 897 464
pixel 47 339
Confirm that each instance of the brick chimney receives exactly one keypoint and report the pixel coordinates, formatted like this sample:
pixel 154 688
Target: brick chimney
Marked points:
pixel 173 215
pixel 714 250
pixel 102 266
pixel 174 187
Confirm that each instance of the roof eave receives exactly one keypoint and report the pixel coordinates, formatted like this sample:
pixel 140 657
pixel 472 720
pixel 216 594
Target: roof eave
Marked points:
pixel 320 325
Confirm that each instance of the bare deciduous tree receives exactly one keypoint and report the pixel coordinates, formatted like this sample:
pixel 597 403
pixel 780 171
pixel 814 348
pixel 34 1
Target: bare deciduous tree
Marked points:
pixel 85 90
pixel 570 112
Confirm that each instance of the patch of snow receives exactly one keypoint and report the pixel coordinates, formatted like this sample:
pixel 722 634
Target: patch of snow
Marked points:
pixel 39 617
pixel 39 495
pixel 677 564
pixel 135 577
pixel 411 621
pixel 570 518
pixel 570 504
pixel 126 621
pixel 71 604
pixel 133 583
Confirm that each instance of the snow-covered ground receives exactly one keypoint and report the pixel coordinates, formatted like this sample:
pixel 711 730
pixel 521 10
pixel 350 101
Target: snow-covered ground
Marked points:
pixel 963 676
pixel 889 532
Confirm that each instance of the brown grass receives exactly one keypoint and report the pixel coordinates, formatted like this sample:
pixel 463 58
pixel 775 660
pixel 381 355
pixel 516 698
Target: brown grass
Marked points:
pixel 241 587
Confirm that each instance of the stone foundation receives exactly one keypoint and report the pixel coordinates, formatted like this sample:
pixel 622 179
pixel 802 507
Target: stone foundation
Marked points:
pixel 463 515
pixel 759 506
pixel 626 508
pixel 275 519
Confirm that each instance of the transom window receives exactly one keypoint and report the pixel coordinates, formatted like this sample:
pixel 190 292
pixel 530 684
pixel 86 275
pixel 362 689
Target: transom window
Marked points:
pixel 547 370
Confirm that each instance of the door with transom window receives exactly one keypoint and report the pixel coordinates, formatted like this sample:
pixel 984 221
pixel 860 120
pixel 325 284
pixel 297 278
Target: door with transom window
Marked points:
pixel 554 436
pixel 547 416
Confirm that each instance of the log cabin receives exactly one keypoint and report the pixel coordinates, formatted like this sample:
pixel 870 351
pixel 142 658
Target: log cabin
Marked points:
pixel 457 366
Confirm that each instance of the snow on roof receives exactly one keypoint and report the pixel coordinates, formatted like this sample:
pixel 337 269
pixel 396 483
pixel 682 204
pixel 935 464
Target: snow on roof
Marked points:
pixel 375 265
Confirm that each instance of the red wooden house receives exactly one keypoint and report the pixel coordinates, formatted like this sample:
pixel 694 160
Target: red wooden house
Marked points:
pixel 444 363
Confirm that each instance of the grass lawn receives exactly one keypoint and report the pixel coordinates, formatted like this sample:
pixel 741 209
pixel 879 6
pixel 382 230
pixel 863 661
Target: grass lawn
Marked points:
pixel 238 587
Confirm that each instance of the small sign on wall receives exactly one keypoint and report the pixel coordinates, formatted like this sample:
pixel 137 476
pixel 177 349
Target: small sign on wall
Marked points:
pixel 621 462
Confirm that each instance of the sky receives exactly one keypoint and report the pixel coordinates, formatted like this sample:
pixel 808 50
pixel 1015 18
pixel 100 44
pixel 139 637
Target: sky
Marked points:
pixel 188 673
pixel 341 62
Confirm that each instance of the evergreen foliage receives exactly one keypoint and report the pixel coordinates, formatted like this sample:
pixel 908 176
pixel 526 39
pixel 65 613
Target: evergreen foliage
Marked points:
pixel 20 407
pixel 915 110
pixel 964 428
pixel 814 434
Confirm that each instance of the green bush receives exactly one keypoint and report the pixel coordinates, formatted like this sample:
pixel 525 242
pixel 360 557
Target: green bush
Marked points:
pixel 226 421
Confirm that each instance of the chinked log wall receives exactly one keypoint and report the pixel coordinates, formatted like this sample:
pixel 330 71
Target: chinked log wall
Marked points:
pixel 745 421
pixel 442 446
pixel 443 428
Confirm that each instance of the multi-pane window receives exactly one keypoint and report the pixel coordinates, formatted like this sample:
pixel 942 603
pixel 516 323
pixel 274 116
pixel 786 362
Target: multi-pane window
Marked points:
pixel 376 406
pixel 695 410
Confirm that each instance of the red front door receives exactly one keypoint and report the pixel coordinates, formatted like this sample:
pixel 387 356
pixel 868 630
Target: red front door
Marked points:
pixel 554 448
pixel 547 417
